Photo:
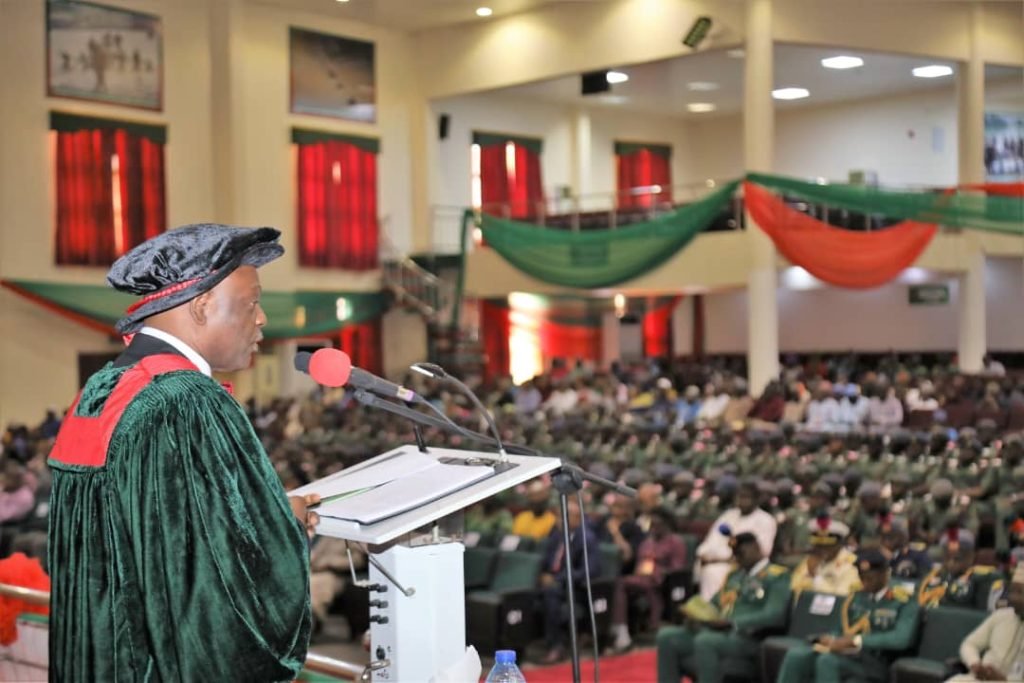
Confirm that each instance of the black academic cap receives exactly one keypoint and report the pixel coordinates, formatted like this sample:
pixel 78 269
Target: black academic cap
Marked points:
pixel 180 264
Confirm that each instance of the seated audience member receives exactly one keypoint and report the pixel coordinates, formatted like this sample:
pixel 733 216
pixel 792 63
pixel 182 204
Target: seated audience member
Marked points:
pixel 957 580
pixel 906 560
pixel 620 528
pixel 885 411
pixel 853 409
pixel 822 410
pixel 329 574
pixel 661 553
pixel 552 578
pixel 942 512
pixel 680 496
pixel 490 518
pixel 753 599
pixel 715 553
pixel 538 519
pixel 867 514
pixel 528 398
pixel 739 404
pixel 714 404
pixel 878 623
pixel 995 650
pixel 648 499
pixel 688 407
pixel 767 410
pixel 16 498
pixel 830 567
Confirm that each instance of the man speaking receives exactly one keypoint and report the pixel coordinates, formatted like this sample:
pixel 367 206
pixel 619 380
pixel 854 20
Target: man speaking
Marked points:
pixel 175 553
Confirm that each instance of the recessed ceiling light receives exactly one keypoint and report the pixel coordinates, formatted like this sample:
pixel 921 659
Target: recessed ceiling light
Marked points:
pixel 842 62
pixel 790 93
pixel 737 53
pixel 700 107
pixel 484 11
pixel 701 86
pixel 933 71
pixel 616 77
pixel 342 0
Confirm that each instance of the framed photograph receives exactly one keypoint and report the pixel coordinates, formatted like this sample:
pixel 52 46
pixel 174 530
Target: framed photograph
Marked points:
pixel 1004 146
pixel 332 76
pixel 104 54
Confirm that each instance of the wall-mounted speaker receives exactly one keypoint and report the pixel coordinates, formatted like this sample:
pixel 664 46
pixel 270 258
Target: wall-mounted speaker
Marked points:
pixel 443 122
pixel 594 82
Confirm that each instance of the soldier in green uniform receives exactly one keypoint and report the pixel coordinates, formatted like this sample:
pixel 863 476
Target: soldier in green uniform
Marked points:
pixel 941 511
pixel 866 515
pixel 755 597
pixel 958 581
pixel 877 624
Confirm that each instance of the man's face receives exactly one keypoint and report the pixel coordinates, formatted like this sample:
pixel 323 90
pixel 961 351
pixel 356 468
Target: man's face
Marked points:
pixel 956 562
pixel 745 500
pixel 539 500
pixel 826 553
pixel 1015 597
pixel 649 497
pixel 893 540
pixel 622 508
pixel 233 321
pixel 747 554
pixel 874 580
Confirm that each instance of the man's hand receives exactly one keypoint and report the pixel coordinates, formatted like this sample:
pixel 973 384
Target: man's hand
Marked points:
pixel 984 672
pixel 547 580
pixel 841 644
pixel 300 508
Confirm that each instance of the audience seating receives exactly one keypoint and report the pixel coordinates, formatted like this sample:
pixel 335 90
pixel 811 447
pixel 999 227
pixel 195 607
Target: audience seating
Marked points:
pixel 478 567
pixel 804 622
pixel 501 616
pixel 944 630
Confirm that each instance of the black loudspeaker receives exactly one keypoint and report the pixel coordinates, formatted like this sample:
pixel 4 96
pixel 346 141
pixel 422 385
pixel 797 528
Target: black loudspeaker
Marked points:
pixel 697 33
pixel 442 126
pixel 594 82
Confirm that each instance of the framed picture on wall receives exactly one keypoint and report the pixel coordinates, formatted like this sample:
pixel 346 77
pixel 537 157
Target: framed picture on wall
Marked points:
pixel 332 76
pixel 1004 146
pixel 104 54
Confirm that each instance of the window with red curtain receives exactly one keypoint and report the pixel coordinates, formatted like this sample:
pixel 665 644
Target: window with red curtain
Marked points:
pixel 510 176
pixel 362 342
pixel 110 187
pixel 337 200
pixel 657 329
pixel 495 329
pixel 641 167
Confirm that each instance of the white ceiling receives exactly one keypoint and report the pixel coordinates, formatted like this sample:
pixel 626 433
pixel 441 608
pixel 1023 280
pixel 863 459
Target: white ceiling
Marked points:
pixel 412 15
pixel 663 87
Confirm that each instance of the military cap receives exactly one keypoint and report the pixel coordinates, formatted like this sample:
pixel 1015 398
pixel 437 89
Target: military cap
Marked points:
pixel 726 484
pixel 942 488
pixel 892 524
pixel 179 265
pixel 684 477
pixel 822 488
pixel 784 484
pixel 902 477
pixel 602 470
pixel 956 538
pixel 871 558
pixel 826 531
pixel 752 484
pixel 870 489
pixel 665 470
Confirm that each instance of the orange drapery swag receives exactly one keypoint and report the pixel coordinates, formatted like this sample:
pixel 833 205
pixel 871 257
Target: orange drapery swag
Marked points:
pixel 844 258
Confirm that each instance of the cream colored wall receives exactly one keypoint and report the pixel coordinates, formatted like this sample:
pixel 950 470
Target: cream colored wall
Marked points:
pixel 404 336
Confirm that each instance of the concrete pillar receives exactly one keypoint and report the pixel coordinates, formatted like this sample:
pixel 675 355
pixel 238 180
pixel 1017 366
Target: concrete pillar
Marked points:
pixel 972 344
pixel 758 153
pixel 582 183
pixel 227 109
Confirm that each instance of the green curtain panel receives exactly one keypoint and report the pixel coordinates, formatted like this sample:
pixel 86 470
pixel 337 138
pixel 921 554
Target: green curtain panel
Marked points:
pixel 289 314
pixel 488 139
pixel 956 210
pixel 64 122
pixel 306 136
pixel 600 258
pixel 625 148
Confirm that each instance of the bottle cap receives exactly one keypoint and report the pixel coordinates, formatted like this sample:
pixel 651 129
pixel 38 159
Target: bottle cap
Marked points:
pixel 505 657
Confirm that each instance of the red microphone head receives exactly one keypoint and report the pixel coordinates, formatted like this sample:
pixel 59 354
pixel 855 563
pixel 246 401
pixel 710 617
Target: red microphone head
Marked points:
pixel 330 367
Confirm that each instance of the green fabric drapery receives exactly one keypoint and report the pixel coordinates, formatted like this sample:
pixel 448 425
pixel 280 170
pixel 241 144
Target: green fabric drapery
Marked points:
pixel 307 136
pixel 601 258
pixel 624 148
pixel 535 145
pixel 289 314
pixel 992 213
pixel 64 122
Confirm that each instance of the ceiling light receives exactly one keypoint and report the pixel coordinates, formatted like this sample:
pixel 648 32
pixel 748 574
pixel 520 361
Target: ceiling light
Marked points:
pixel 616 77
pixel 484 11
pixel 790 93
pixel 702 86
pixel 737 53
pixel 933 71
pixel 700 107
pixel 613 99
pixel 342 0
pixel 842 62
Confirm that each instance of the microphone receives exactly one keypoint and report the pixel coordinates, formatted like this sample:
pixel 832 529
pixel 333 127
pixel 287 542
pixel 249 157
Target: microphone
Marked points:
pixel 333 368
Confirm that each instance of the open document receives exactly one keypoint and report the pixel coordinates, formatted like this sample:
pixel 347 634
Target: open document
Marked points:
pixel 377 490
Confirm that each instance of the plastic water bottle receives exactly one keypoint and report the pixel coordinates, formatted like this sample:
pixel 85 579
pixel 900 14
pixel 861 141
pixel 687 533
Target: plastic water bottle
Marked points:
pixel 505 669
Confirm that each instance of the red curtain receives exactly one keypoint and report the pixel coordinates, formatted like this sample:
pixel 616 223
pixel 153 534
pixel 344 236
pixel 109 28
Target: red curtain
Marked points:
pixel 362 342
pixel 845 258
pixel 999 189
pixel 511 190
pixel 495 329
pixel 337 206
pixel 571 342
pixel 641 169
pixel 93 228
pixel 657 328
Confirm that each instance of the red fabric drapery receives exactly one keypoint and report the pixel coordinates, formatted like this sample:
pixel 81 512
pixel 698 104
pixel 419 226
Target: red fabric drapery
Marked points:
pixel 337 206
pixel 510 183
pixel 95 225
pixel 657 328
pixel 844 258
pixel 495 329
pixel 998 189
pixel 362 342
pixel 642 169
pixel 571 342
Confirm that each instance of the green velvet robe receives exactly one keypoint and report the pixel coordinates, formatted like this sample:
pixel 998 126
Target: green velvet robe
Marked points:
pixel 177 558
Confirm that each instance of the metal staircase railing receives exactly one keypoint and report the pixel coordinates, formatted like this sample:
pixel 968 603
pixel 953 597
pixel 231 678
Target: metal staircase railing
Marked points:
pixel 413 285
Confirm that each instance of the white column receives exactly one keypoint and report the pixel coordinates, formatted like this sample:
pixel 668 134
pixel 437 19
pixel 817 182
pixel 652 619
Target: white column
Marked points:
pixel 227 107
pixel 971 165
pixel 758 152
pixel 582 183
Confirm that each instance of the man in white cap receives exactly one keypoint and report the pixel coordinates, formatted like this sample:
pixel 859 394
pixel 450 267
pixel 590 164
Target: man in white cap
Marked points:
pixel 830 567
pixel 995 650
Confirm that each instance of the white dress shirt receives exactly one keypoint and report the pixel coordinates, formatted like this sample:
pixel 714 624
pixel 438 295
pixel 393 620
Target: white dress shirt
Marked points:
pixel 181 346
